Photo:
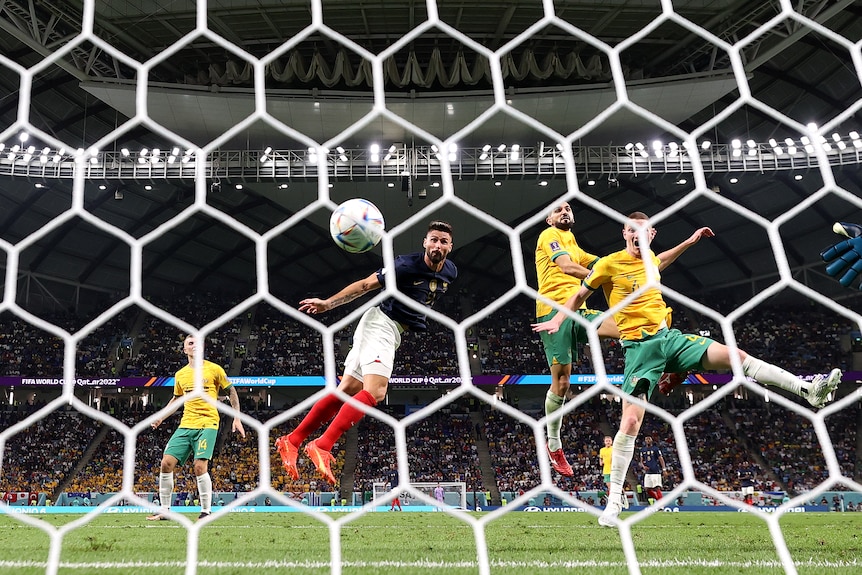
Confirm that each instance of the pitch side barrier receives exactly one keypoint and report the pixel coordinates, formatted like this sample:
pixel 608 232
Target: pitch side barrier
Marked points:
pixel 396 380
pixel 194 511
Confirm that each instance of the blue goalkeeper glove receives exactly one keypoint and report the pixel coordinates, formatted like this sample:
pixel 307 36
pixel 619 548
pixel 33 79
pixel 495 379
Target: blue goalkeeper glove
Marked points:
pixel 844 259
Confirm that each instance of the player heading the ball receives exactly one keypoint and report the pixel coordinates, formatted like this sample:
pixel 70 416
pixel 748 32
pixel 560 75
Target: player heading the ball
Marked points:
pixel 422 276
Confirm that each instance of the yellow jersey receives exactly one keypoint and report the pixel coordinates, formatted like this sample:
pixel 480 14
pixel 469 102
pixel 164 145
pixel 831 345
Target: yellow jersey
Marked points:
pixel 197 413
pixel 624 273
pixel 554 283
pixel 605 454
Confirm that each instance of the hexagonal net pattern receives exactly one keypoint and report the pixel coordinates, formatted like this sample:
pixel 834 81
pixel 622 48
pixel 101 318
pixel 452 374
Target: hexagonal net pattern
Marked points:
pixel 484 562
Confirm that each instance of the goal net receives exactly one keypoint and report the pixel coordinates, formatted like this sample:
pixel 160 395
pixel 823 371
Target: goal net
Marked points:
pixel 71 46
pixel 453 493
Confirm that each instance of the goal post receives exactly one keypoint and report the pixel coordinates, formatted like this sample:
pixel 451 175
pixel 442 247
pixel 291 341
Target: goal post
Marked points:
pixel 454 492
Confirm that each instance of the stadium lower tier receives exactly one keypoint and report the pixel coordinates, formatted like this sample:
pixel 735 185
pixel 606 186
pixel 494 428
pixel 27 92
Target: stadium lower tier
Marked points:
pixel 467 441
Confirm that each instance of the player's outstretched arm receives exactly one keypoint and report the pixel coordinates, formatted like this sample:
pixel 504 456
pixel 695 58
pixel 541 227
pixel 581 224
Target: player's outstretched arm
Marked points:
pixel 234 403
pixel 844 259
pixel 668 257
pixel 573 303
pixel 172 410
pixel 316 305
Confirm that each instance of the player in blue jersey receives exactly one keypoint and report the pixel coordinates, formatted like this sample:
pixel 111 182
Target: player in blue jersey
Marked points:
pixel 421 276
pixel 652 463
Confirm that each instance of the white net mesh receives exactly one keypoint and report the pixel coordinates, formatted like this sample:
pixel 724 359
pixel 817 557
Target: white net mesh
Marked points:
pixel 500 65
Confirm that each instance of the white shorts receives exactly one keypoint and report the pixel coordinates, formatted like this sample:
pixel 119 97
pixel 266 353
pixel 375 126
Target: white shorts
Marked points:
pixel 375 340
pixel 748 490
pixel 652 480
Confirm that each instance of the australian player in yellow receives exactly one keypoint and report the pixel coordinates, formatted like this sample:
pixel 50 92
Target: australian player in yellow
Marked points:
pixel 196 435
pixel 651 348
pixel 605 454
pixel 561 264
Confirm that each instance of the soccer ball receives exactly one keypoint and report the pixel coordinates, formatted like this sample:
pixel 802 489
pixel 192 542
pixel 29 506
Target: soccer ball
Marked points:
pixel 356 226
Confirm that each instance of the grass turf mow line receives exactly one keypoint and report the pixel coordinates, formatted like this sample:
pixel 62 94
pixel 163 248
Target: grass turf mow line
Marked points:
pixel 435 543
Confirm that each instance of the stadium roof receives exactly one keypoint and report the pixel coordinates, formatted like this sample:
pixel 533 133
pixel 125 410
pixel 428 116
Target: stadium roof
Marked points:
pixel 559 72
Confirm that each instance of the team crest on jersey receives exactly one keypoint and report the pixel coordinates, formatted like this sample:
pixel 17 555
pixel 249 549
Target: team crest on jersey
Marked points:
pixel 555 246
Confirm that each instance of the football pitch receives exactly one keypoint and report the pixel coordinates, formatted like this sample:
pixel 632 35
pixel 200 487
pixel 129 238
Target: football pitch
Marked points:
pixel 439 544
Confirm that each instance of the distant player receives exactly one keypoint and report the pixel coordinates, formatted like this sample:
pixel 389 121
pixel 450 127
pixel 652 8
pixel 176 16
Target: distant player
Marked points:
pixel 396 503
pixel 439 495
pixel 653 465
pixel 196 435
pixel 422 276
pixel 651 348
pixel 605 455
pixel 746 475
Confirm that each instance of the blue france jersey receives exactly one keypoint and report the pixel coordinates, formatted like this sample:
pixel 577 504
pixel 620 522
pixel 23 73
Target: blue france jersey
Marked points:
pixel 417 281
pixel 650 457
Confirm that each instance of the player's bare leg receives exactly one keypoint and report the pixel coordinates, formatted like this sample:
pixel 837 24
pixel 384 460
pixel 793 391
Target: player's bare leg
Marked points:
pixel 554 400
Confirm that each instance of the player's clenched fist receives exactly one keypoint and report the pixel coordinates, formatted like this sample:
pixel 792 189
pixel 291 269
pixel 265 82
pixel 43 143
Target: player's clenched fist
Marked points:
pixel 844 259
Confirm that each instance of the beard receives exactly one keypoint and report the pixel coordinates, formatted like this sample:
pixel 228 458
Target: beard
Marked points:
pixel 435 256
pixel 565 226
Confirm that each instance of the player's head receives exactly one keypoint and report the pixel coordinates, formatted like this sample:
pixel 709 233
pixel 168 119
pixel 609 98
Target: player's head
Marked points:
pixel 437 242
pixel 648 440
pixel 635 221
pixel 561 216
pixel 608 441
pixel 189 346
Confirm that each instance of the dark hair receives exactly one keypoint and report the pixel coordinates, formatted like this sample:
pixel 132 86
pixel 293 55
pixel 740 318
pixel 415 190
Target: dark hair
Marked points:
pixel 638 216
pixel 440 226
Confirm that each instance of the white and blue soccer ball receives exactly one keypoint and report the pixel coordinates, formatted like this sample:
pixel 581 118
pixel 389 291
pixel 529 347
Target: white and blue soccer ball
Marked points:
pixel 356 226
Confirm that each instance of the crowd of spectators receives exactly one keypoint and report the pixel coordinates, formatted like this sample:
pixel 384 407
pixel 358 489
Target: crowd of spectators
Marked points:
pixel 280 345
pixel 41 456
pixel 440 447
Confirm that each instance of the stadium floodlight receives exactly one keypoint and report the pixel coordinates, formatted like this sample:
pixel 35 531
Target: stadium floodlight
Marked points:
pixel 23 137
pixel 705 144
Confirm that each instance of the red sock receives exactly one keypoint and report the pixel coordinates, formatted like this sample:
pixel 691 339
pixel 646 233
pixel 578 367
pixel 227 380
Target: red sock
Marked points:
pixel 321 412
pixel 347 417
pixel 658 494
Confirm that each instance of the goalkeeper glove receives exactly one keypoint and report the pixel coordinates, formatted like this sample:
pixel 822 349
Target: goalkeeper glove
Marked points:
pixel 844 259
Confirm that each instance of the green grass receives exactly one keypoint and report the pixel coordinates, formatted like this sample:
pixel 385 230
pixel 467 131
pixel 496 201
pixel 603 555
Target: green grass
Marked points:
pixel 435 543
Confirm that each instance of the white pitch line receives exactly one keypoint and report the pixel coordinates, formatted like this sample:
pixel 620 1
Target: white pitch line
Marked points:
pixel 429 564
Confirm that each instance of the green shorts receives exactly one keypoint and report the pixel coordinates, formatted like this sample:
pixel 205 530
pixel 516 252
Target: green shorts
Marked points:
pixel 607 477
pixel 185 443
pixel 668 351
pixel 562 347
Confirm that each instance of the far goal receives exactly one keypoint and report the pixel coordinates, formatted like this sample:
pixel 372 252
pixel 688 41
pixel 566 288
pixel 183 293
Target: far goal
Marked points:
pixel 454 493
